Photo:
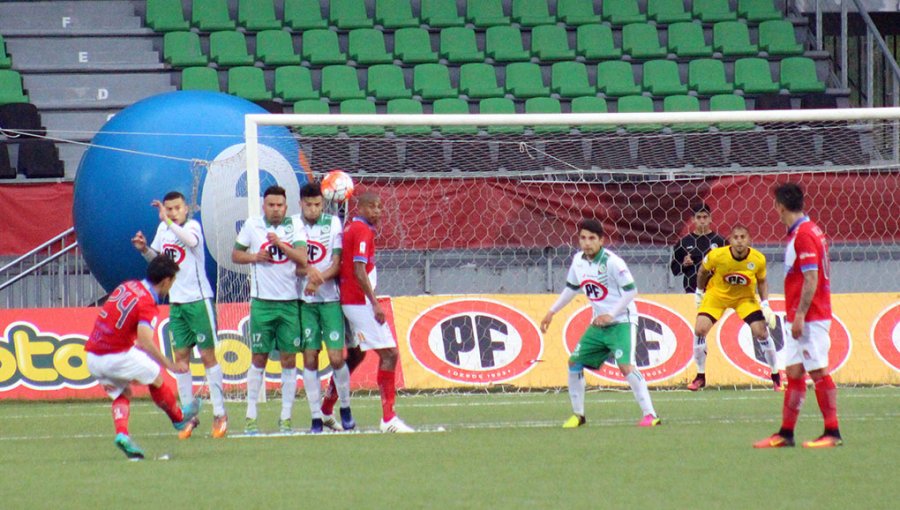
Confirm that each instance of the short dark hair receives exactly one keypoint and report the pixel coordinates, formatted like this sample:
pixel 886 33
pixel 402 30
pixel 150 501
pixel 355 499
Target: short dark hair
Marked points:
pixel 367 197
pixel 311 190
pixel 592 226
pixel 174 195
pixel 275 190
pixel 790 195
pixel 740 226
pixel 700 208
pixel 160 268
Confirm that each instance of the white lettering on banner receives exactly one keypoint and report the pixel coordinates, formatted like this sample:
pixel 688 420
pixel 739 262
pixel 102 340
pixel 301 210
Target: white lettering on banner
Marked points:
pixel 66 21
pixel 102 94
pixel 82 57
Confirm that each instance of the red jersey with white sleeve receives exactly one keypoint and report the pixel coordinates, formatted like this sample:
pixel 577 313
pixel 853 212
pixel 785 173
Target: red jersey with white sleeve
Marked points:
pixel 115 330
pixel 359 246
pixel 807 250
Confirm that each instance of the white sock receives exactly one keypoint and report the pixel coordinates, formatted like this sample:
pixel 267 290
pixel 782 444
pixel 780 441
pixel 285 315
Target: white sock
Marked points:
pixel 342 384
pixel 700 353
pixel 216 392
pixel 641 393
pixel 254 383
pixel 288 391
pixel 185 383
pixel 576 390
pixel 768 347
pixel 313 392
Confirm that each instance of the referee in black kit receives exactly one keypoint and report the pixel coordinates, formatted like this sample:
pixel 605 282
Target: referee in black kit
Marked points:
pixel 689 251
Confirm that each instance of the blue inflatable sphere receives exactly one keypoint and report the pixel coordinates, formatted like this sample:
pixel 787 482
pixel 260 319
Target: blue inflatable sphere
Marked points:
pixel 146 150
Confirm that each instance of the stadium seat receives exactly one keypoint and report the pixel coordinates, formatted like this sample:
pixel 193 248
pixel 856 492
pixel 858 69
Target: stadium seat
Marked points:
pixel 413 46
pixel 758 10
pixel 615 78
pixel 684 104
pixel 776 37
pixel 706 76
pixel 729 103
pixel 229 48
pixel 200 78
pixel 479 81
pixel 621 12
pixel 595 42
pixel 818 101
pixel 385 81
pixel 485 13
pixel 551 42
pixel 641 41
pixel 454 105
pixel 545 105
pixel 753 76
pixel 257 15
pixel 11 87
pixel 441 14
pixel 349 14
pixel 294 83
pixel 407 106
pixel 592 104
pixel 5 61
pixel 321 47
pixel 395 14
pixel 276 48
pixel 504 44
pixel 340 83
pixel 531 13
pixel 661 78
pixel 182 49
pixel 732 38
pixel 304 15
pixel 419 151
pixel 576 12
pixel 319 108
pixel 22 117
pixel 458 45
pixel 166 15
pixel 686 40
pixel 39 159
pixel 500 106
pixel 211 15
pixel 570 79
pixel 798 74
pixel 524 79
pixel 366 47
pixel 712 11
pixel 432 81
pixel 6 170
pixel 637 104
pixel 667 11
pixel 248 83
pixel 360 106
pixel 772 102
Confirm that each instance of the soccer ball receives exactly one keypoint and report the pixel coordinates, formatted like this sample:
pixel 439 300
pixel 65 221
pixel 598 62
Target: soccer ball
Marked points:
pixel 337 186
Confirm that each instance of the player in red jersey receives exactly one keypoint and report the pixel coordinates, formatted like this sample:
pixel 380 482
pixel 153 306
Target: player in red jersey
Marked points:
pixel 128 317
pixel 807 296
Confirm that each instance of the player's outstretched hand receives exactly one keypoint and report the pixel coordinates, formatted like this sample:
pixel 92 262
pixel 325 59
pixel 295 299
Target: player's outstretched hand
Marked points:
pixel 263 255
pixel 162 209
pixel 139 241
pixel 797 326
pixel 311 289
pixel 315 276
pixel 698 297
pixel 379 313
pixel 545 323
pixel 771 319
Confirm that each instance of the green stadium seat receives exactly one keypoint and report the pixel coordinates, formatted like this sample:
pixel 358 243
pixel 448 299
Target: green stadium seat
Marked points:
pixel 441 14
pixel 485 13
pixel 729 103
pixel 276 48
pixel 524 79
pixel 545 105
pixel 432 81
pixel 504 44
pixel 321 47
pixel 294 83
pixel 318 108
pixel 592 104
pixel 211 15
pixel 641 40
pixel 576 12
pixel 5 61
pixel 661 78
pixel 349 14
pixel 706 76
pixel 638 104
pixel 182 49
pixel 615 78
pixel 228 48
pixel 712 11
pixel 684 104
pixel 732 38
pixel 385 81
pixel 500 105
pixel 304 15
pixel 356 107
pixel 366 47
pixel 454 106
pixel 621 12
pixel 667 11
pixel 551 42
pixel 570 79
pixel 166 15
pixel 407 106
pixel 458 45
pixel 479 81
pixel 798 74
pixel 753 76
pixel 758 10
pixel 531 13
pixel 256 15
pixel 777 37
pixel 200 78
pixel 413 46
pixel 248 83
pixel 395 14
pixel 340 83
pixel 686 40
pixel 595 42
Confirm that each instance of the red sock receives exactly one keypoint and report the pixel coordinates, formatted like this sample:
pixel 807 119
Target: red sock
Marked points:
pixel 826 395
pixel 331 397
pixel 165 399
pixel 121 408
pixel 388 393
pixel 793 401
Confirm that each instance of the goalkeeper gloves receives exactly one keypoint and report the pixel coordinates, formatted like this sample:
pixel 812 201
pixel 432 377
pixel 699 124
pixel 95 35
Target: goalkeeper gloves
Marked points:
pixel 698 297
pixel 771 320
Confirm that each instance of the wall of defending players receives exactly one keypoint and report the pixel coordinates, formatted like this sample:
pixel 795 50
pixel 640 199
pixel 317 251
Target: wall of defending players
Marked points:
pixel 464 341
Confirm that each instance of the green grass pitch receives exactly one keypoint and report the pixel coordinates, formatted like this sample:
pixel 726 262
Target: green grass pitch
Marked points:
pixel 499 451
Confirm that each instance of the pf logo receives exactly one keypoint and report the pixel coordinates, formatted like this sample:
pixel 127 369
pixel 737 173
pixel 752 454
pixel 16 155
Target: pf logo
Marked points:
pixel 886 336
pixel 278 256
pixel 595 291
pixel 744 354
pixel 315 251
pixel 174 252
pixel 663 343
pixel 475 341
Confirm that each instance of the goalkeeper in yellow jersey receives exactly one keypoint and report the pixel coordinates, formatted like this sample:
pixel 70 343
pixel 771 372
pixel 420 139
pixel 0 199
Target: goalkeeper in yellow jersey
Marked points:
pixel 730 277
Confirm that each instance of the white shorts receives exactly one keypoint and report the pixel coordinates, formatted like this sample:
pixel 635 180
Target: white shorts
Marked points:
pixel 367 334
pixel 811 349
pixel 116 371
